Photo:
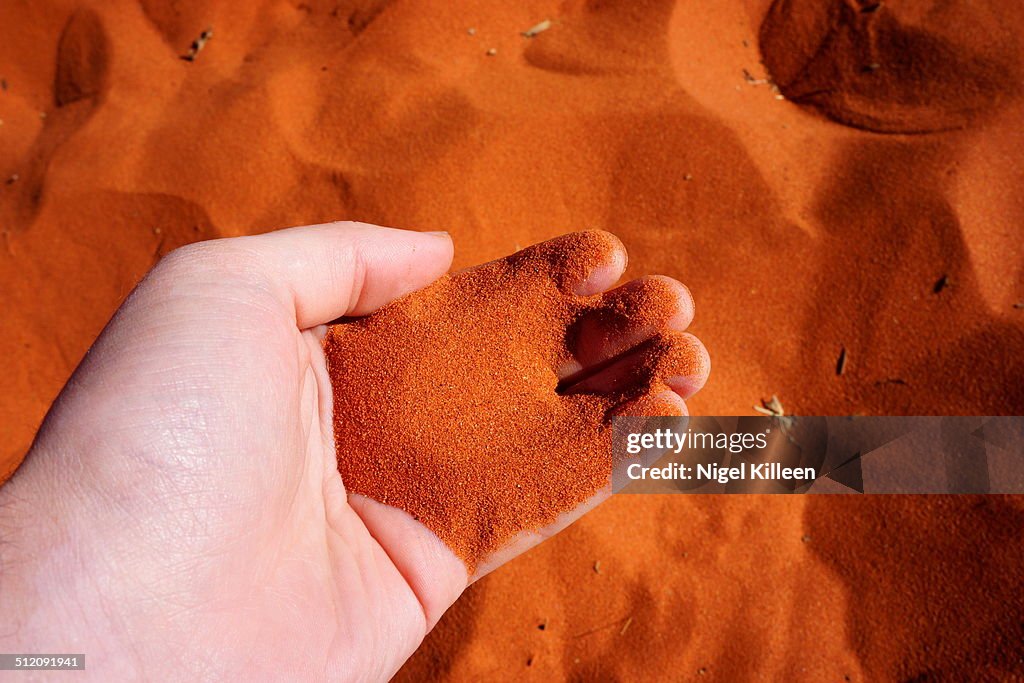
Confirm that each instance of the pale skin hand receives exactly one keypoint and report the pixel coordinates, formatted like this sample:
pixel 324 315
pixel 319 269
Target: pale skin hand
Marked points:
pixel 181 513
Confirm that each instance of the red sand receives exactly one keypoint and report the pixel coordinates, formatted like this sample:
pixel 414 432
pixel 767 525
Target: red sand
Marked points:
pixel 798 235
pixel 450 403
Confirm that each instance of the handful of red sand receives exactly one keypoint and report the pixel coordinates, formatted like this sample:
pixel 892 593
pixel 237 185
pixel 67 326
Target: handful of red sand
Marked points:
pixel 447 402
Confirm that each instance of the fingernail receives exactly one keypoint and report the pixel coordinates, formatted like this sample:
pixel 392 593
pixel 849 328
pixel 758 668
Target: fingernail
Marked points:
pixel 439 233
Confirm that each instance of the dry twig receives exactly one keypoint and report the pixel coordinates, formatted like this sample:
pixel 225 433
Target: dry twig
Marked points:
pixel 538 28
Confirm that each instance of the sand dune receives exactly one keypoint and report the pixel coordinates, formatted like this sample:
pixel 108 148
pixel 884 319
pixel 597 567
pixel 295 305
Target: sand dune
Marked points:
pixel 823 175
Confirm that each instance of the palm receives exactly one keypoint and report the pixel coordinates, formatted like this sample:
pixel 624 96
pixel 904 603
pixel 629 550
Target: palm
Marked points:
pixel 318 552
pixel 281 542
pixel 196 436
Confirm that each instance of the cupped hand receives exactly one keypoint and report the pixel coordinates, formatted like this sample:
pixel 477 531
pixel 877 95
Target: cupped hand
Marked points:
pixel 180 513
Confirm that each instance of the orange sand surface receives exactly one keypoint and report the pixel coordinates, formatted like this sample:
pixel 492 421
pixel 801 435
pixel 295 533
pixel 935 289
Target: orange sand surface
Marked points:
pixel 810 209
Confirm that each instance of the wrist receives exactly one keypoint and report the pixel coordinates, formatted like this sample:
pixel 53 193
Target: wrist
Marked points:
pixel 51 602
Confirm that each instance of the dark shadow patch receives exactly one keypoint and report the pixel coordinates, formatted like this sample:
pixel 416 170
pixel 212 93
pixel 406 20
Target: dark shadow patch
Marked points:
pixel 887 240
pixel 934 591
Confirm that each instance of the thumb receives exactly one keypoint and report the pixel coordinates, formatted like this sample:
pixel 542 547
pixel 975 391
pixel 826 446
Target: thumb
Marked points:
pixel 324 272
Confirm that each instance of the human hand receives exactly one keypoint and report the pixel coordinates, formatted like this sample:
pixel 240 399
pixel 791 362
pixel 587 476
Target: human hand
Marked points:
pixel 181 511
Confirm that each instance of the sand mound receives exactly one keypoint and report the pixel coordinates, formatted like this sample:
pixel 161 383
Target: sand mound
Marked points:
pixel 798 236
pixel 895 67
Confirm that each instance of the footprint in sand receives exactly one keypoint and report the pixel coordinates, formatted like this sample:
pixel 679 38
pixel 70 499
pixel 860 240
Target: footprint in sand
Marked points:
pixel 894 67
pixel 79 87
pixel 496 386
